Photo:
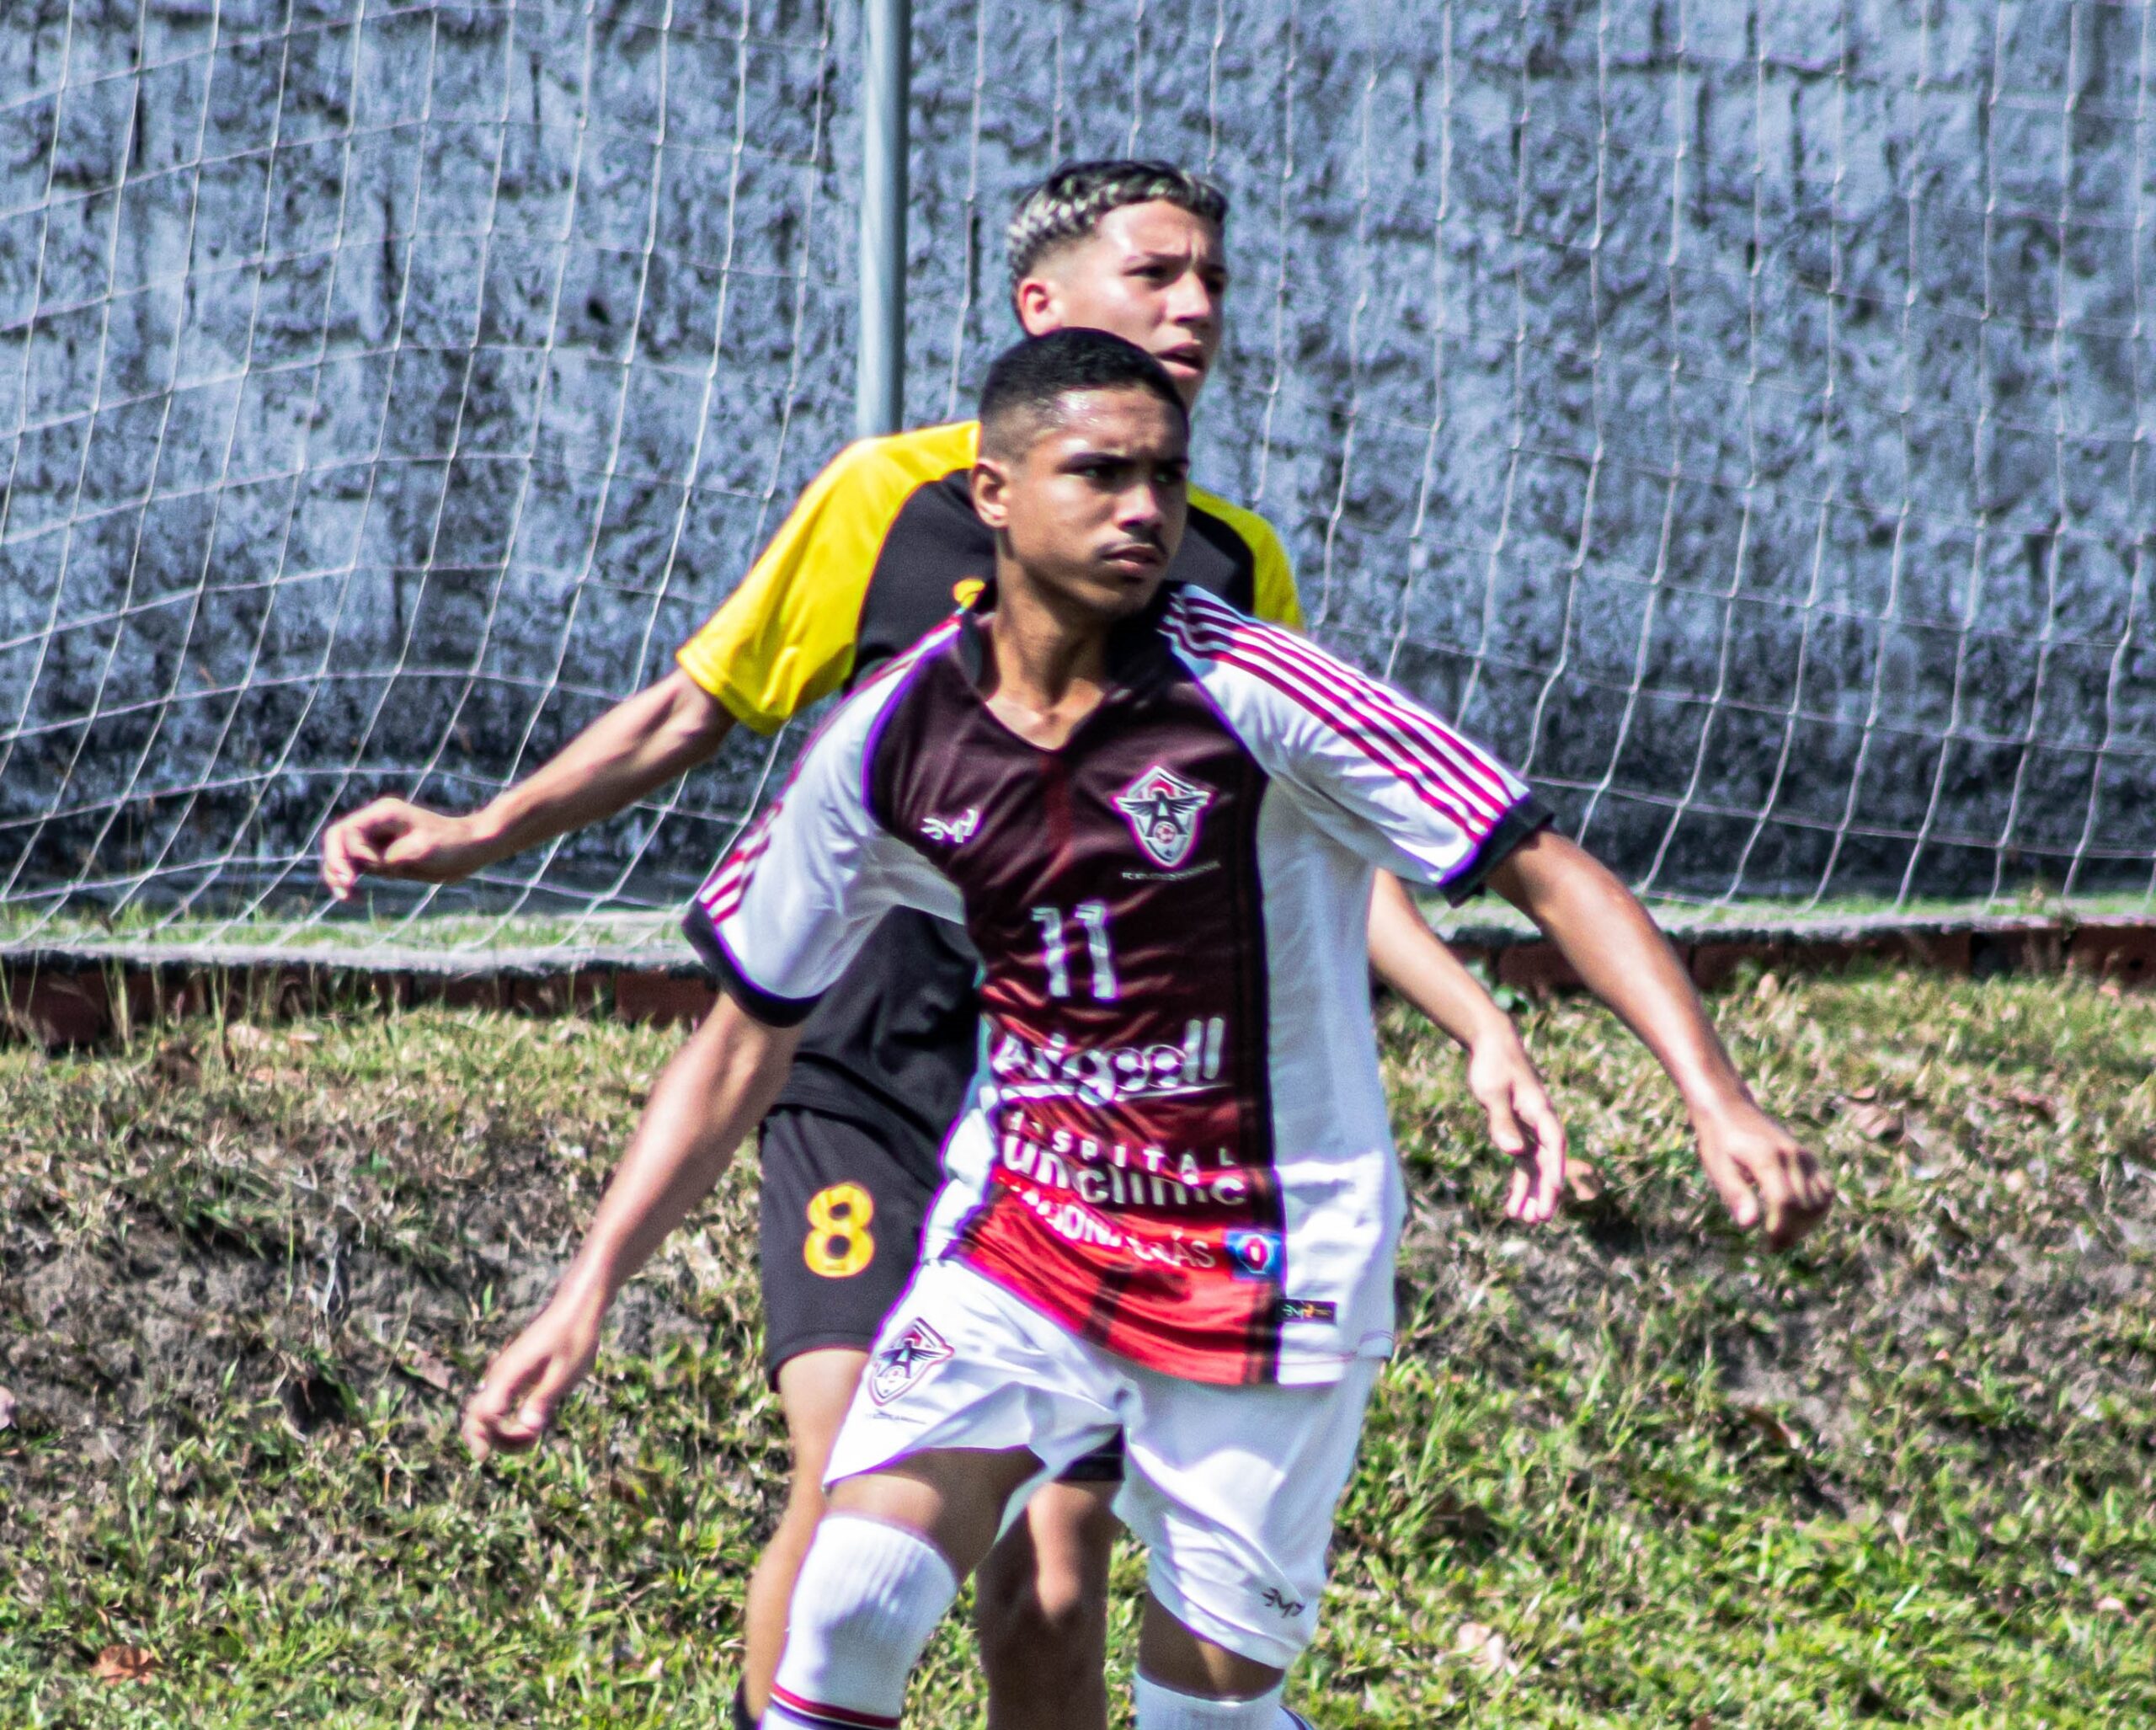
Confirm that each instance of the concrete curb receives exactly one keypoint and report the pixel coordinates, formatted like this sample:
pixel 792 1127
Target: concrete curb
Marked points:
pixel 60 995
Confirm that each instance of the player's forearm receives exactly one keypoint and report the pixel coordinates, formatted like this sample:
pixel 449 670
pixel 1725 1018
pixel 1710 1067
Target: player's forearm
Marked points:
pixel 1409 957
pixel 705 1103
pixel 639 744
pixel 1622 957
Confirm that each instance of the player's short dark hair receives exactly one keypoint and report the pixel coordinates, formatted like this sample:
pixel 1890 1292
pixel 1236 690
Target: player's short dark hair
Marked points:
pixel 1069 204
pixel 1029 378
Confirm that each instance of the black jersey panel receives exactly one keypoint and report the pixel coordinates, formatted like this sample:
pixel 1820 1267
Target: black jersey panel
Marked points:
pixel 894 1039
pixel 934 547
pixel 1215 558
pixel 1132 1194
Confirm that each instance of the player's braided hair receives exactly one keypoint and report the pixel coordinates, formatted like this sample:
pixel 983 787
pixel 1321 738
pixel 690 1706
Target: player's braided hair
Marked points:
pixel 1069 204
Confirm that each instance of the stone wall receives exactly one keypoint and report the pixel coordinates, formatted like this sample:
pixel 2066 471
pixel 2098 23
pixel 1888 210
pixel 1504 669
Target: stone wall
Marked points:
pixel 1738 414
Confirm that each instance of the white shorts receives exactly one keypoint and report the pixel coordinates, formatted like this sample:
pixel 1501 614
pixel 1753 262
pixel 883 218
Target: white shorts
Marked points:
pixel 1231 1489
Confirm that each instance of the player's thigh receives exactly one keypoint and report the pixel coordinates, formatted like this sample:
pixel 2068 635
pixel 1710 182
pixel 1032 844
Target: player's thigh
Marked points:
pixel 1232 1491
pixel 1071 1526
pixel 1051 1568
pixel 815 1388
pixel 839 1234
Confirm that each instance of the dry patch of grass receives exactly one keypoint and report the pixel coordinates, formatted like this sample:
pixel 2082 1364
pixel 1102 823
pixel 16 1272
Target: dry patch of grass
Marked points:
pixel 1629 1471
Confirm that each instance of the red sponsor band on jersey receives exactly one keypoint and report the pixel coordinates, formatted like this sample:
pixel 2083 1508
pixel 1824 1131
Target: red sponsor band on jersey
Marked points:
pixel 1076 1224
pixel 1172 1296
pixel 1105 1201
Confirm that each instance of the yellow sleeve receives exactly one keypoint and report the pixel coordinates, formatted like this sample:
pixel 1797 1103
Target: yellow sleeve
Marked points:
pixel 786 637
pixel 1273 596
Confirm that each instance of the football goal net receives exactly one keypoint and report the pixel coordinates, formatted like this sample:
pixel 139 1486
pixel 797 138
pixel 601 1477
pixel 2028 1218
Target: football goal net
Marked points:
pixel 1737 414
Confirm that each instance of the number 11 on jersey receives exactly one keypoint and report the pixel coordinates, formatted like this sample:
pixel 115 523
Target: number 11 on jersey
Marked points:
pixel 1092 918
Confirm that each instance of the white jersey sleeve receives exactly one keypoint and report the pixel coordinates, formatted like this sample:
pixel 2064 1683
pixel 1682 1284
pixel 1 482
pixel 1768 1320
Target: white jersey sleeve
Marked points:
pixel 1370 766
pixel 790 905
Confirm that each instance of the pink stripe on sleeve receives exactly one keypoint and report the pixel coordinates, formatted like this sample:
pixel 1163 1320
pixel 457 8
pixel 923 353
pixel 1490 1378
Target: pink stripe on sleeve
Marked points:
pixel 1444 752
pixel 1367 730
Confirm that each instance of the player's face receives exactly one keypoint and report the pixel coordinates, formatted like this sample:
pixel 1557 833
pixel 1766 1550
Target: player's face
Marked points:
pixel 1151 274
pixel 1093 510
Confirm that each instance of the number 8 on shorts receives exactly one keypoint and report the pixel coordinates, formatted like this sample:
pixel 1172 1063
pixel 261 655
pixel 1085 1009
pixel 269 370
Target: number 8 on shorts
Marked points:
pixel 839 1244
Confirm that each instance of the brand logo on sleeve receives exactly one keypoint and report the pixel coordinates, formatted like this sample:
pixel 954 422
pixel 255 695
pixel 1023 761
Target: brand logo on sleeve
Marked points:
pixel 955 831
pixel 901 1363
pixel 1309 1310
pixel 1162 810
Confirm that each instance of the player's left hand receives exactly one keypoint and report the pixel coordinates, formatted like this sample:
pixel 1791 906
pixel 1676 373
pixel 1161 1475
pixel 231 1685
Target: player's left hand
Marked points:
pixel 1524 1122
pixel 1765 1176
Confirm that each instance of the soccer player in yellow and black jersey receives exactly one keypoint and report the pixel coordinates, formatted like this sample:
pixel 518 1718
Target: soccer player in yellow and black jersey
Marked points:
pixel 882 547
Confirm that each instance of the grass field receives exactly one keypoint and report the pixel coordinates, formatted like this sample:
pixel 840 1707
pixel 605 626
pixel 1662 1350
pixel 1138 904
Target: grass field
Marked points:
pixel 353 936
pixel 1903 1475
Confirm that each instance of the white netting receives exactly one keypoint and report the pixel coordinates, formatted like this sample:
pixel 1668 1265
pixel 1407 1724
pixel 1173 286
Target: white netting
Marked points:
pixel 1737 412
pixel 390 388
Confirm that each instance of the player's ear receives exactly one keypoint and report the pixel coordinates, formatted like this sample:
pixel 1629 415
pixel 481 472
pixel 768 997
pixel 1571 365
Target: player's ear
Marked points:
pixel 991 482
pixel 1039 306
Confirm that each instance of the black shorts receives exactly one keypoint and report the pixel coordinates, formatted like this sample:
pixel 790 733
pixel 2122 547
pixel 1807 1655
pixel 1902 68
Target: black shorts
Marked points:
pixel 840 1216
pixel 838 1229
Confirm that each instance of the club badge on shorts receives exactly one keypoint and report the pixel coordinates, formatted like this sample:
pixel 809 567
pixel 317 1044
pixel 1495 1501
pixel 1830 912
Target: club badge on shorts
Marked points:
pixel 1162 810
pixel 905 1360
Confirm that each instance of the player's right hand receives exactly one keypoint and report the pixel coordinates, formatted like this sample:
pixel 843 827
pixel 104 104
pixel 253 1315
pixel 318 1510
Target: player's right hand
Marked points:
pixel 525 1387
pixel 393 837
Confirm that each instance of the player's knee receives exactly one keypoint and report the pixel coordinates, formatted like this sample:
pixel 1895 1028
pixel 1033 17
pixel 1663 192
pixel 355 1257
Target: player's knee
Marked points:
pixel 804 1498
pixel 849 1614
pixel 866 1598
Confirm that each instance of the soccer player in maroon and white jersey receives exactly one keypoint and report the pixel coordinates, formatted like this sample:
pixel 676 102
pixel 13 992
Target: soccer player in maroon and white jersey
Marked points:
pixel 1172 1200
pixel 876 551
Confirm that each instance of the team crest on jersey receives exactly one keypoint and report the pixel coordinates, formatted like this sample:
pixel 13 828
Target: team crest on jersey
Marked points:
pixel 1162 810
pixel 905 1360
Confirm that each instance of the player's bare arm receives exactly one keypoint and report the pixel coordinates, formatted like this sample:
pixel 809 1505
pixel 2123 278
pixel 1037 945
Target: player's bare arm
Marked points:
pixel 1764 1175
pixel 1523 1121
pixel 715 1091
pixel 639 744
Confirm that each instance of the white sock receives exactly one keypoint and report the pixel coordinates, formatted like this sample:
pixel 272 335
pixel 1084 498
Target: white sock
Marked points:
pixel 866 1599
pixel 1161 1708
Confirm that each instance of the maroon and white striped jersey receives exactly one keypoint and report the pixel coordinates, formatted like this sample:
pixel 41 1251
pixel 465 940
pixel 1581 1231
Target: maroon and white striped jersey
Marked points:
pixel 1176 1140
